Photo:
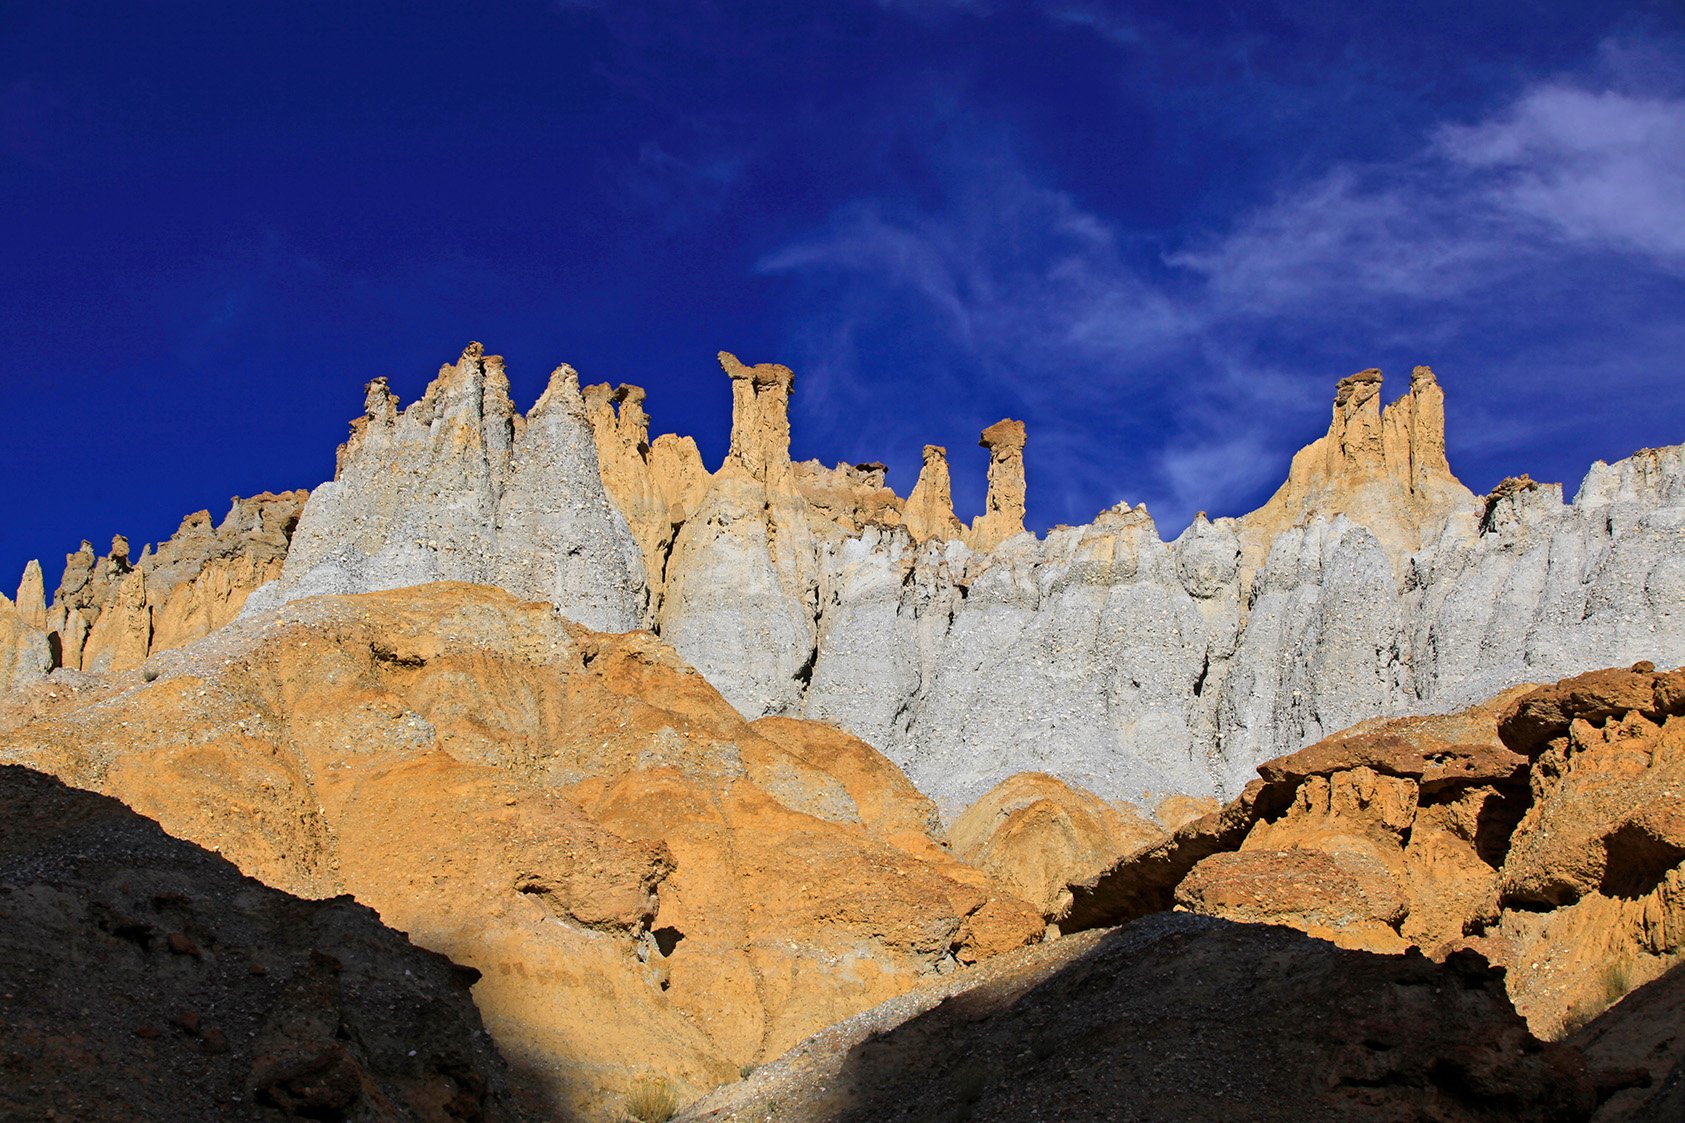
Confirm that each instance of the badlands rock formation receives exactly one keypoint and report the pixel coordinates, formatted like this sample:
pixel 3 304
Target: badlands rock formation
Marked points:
pixel 110 613
pixel 1003 508
pixel 1544 829
pixel 1383 468
pixel 930 506
pixel 1371 583
pixel 461 487
pixel 648 884
pixel 1036 835
pixel 146 979
pixel 24 652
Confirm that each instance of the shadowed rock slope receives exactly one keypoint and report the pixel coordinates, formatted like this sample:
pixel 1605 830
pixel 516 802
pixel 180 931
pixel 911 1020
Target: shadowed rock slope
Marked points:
pixel 144 978
pixel 1179 1017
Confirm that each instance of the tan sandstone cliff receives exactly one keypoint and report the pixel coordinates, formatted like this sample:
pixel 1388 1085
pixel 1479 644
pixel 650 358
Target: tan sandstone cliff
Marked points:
pixel 647 883
pixel 110 613
pixel 1384 468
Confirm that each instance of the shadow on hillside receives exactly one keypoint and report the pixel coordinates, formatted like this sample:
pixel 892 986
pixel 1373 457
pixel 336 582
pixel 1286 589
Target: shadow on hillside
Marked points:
pixel 539 1094
pixel 162 983
pixel 1181 1017
pixel 1637 1050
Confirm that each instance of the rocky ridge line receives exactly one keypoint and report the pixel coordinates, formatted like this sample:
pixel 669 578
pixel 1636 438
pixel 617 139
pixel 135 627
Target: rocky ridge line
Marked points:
pixel 1372 583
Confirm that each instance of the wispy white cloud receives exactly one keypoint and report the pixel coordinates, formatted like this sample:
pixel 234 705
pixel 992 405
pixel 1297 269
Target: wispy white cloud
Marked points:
pixel 1077 316
pixel 1010 268
pixel 1385 233
pixel 1479 202
pixel 1104 19
pixel 1600 167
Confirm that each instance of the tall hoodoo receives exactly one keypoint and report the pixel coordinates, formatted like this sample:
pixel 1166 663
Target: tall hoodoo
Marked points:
pixel 1003 511
pixel 1413 433
pixel 32 596
pixel 1385 469
pixel 930 507
pixel 760 418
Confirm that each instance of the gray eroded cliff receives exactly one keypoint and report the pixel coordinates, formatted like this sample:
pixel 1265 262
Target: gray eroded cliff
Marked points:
pixel 1372 583
pixel 461 487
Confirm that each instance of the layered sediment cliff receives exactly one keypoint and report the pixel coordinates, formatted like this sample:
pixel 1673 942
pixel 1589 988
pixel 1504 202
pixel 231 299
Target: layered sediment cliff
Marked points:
pixel 1372 583
pixel 461 487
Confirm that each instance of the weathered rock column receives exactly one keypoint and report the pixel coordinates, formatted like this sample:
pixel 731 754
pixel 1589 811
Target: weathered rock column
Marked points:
pixel 760 419
pixel 930 508
pixel 32 597
pixel 1003 511
pixel 1413 433
pixel 1356 426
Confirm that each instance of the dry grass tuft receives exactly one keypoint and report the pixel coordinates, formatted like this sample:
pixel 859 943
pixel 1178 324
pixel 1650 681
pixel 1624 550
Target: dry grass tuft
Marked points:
pixel 652 1099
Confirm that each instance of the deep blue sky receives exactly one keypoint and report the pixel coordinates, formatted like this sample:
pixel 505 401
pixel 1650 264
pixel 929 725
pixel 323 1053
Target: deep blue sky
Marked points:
pixel 1158 232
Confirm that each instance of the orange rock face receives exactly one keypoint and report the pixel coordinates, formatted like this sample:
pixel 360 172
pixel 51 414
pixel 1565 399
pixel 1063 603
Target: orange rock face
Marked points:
pixel 930 506
pixel 1176 811
pixel 1545 829
pixel 1036 834
pixel 1592 889
pixel 1373 838
pixel 647 883
pixel 109 614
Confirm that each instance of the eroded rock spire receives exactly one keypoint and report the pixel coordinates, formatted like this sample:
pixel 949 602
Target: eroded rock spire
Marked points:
pixel 1003 510
pixel 930 507
pixel 1383 468
pixel 760 418
pixel 32 596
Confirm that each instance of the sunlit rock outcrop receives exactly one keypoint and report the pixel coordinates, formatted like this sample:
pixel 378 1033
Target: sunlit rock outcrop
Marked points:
pixel 1003 506
pixel 647 883
pixel 461 487
pixel 111 613
pixel 930 507
pixel 1371 583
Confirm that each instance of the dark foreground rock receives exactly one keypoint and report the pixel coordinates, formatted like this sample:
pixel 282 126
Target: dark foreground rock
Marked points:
pixel 1637 1048
pixel 1183 1017
pixel 143 978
